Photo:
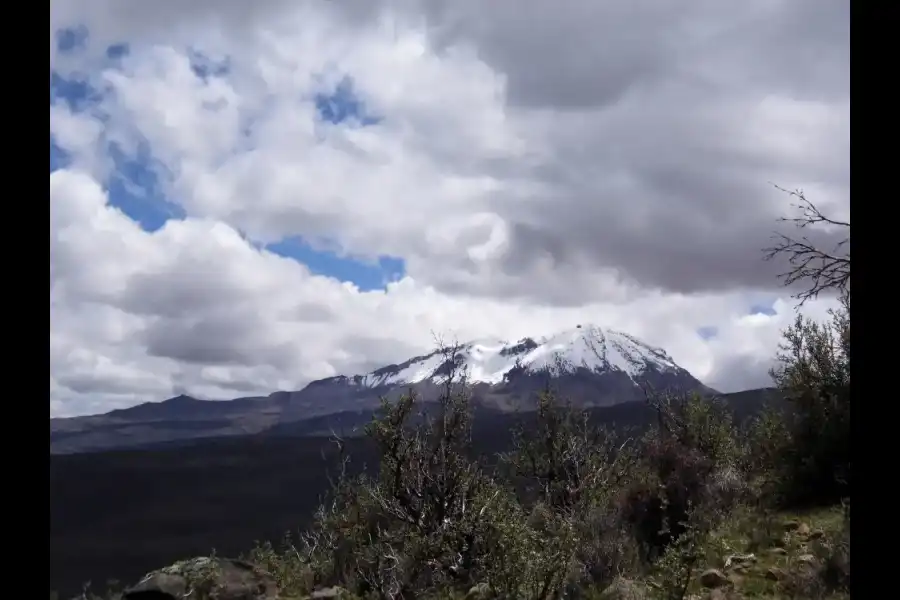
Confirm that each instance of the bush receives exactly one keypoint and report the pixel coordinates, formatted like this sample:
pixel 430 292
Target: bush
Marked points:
pixel 812 466
pixel 566 463
pixel 767 438
pixel 808 455
pixel 571 474
pixel 423 522
pixel 689 467
pixel 429 521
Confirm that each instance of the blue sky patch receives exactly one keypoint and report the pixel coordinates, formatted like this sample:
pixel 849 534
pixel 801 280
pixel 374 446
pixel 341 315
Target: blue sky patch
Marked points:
pixel 343 105
pixel 71 39
pixel 78 94
pixel 136 190
pixel 763 309
pixel 708 332
pixel 59 158
pixel 206 67
pixel 118 51
pixel 366 276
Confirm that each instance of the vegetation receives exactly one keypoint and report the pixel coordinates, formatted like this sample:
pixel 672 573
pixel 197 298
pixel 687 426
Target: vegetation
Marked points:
pixel 697 506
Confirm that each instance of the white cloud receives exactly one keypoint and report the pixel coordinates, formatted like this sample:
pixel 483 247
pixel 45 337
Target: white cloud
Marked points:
pixel 517 210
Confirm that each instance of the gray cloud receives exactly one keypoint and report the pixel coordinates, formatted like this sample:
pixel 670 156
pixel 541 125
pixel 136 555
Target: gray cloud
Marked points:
pixel 741 372
pixel 676 119
pixel 202 341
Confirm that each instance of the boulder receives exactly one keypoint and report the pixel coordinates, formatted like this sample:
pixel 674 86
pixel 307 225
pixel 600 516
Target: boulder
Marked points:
pixel 739 559
pixel 205 577
pixel 713 578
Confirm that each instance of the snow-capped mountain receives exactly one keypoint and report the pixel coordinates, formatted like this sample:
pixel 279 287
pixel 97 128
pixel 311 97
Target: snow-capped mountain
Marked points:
pixel 494 362
pixel 588 365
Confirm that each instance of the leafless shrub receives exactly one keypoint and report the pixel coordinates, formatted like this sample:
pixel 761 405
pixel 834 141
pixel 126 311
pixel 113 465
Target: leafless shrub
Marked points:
pixel 821 269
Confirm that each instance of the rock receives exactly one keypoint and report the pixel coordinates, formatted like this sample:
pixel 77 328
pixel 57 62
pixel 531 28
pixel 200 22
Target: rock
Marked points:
pixel 218 578
pixel 778 550
pixel 816 534
pixel 713 578
pixel 791 525
pixel 331 592
pixel 481 591
pixel 802 529
pixel 739 559
pixel 623 589
pixel 775 574
pixel 806 559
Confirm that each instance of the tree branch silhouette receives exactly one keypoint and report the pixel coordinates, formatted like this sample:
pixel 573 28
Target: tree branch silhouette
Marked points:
pixel 822 270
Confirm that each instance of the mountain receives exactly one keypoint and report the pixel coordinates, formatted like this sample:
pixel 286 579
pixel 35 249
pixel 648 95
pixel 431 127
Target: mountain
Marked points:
pixel 591 366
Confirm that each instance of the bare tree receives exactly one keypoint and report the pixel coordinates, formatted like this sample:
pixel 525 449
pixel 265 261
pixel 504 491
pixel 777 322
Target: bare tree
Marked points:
pixel 810 459
pixel 822 269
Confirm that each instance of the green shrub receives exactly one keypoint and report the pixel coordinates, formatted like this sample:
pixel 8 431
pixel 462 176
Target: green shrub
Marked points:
pixel 689 466
pixel 571 474
pixel 808 455
pixel 428 522
pixel 813 371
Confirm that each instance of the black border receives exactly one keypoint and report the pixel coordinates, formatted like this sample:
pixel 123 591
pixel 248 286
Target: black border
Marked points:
pixel 875 37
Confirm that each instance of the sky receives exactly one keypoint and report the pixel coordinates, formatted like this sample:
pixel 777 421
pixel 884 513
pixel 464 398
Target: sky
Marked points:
pixel 248 196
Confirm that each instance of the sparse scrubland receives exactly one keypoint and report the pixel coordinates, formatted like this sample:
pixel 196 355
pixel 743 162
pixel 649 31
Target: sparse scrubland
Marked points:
pixel 697 507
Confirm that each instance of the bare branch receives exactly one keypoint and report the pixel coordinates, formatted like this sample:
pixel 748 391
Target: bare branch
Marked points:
pixel 343 460
pixel 822 270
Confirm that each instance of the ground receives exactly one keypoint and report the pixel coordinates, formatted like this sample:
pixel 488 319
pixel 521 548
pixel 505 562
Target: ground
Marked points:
pixel 782 555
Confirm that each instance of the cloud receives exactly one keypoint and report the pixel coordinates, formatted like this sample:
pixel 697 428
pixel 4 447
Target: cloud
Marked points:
pixel 258 194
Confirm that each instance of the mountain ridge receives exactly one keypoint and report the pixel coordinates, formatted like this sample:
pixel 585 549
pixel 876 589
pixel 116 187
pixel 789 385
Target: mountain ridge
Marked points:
pixel 590 365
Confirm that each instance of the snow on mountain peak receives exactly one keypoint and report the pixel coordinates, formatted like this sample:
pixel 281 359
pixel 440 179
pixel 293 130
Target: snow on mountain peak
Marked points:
pixel 491 360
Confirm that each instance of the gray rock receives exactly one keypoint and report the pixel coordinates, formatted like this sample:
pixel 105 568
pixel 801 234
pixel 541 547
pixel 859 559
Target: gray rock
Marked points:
pixel 739 559
pixel 217 578
pixel 713 578
pixel 481 591
pixel 331 592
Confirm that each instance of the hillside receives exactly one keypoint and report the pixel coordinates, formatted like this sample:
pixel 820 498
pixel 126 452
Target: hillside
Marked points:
pixel 118 514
